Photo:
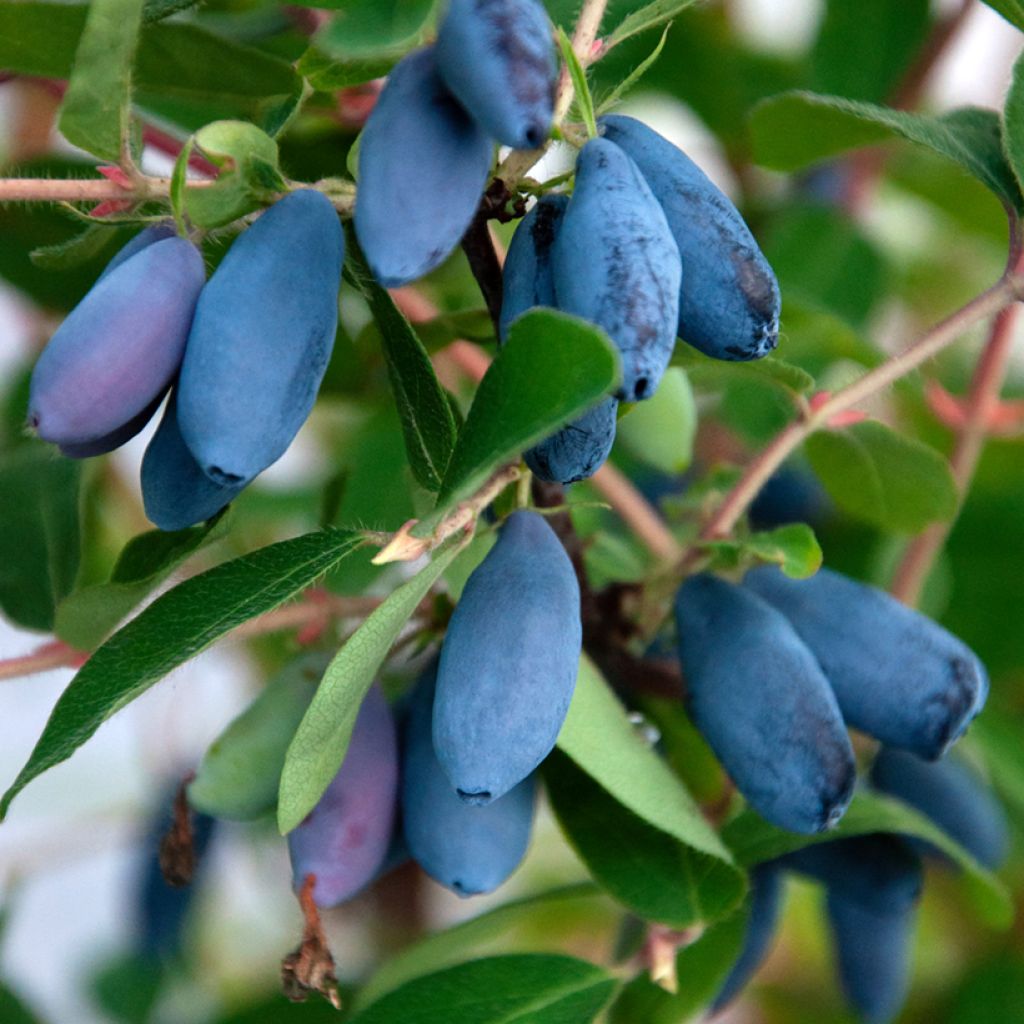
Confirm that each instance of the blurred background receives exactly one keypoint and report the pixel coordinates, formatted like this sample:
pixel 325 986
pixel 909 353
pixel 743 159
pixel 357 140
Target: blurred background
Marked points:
pixel 884 263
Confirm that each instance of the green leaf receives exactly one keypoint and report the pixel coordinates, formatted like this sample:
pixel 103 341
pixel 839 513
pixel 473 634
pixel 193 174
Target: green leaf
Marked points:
pixel 863 50
pixel 635 76
pixel 178 66
pixel 88 615
pixel 329 74
pixel 793 547
pixel 320 742
pixel 240 773
pixel 521 989
pixel 1011 10
pixel 174 628
pixel 796 129
pixel 544 912
pixel 649 16
pixel 633 791
pixel 427 422
pixel 97 106
pixel 369 28
pixel 646 869
pixel 156 10
pixel 13 1010
pixel 249 175
pixel 705 372
pixel 581 87
pixel 468 324
pixel 753 840
pixel 882 477
pixel 661 431
pixel 39 534
pixel 553 368
pixel 701 969
pixel 77 250
pixel 1013 120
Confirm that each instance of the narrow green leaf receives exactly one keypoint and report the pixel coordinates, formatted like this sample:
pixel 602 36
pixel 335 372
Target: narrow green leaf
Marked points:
pixel 174 628
pixel 1011 10
pixel 427 422
pixel 561 908
pixel 320 742
pixel 97 106
pixel 179 186
pixel 661 431
pixel 39 534
pixel 753 840
pixel 882 477
pixel 863 50
pixel 701 969
pixel 621 806
pixel 635 76
pixel 77 250
pixel 1013 121
pixel 648 870
pixel 649 16
pixel 793 547
pixel 519 989
pixel 581 87
pixel 553 368
pixel 240 773
pixel 328 73
pixel 705 372
pixel 796 129
pixel 88 615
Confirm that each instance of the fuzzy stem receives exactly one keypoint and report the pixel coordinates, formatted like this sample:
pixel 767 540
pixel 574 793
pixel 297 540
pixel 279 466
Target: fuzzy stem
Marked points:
pixel 74 190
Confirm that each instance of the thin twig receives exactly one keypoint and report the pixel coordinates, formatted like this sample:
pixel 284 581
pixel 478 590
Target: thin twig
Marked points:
pixel 80 190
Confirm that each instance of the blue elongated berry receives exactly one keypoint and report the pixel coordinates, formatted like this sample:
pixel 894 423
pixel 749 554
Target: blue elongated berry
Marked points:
pixel 528 277
pixel 617 265
pixel 498 59
pixel 119 349
pixel 261 340
pixel 143 240
pixel 509 662
pixel 952 794
pixel 879 872
pixel 345 839
pixel 761 701
pixel 729 300
pixel 468 849
pixel 897 675
pixel 176 493
pixel 423 164
pixel 116 438
pixel 872 951
pixel 767 886
pixel 578 450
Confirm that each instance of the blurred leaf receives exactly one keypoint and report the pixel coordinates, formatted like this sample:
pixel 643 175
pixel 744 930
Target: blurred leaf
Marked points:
pixel 634 77
pixel 176 63
pixel 97 105
pixel 328 73
pixel 13 1010
pixel 318 747
pixel 994 989
pixel 174 628
pixel 800 128
pixel 468 324
pixel 771 371
pixel 793 547
pixel 427 422
pixel 820 255
pixel 661 431
pixel 1011 10
pixel 39 534
pixel 753 840
pixel 157 10
pixel 647 17
pixel 444 948
pixel 1013 121
pixel 863 50
pixel 365 28
pixel 88 615
pixel 553 368
pixel 815 339
pixel 882 477
pixel 630 785
pixel 998 734
pixel 581 87
pixel 127 988
pixel 248 178
pixel 521 989
pixel 700 967
pixel 643 867
pixel 239 774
